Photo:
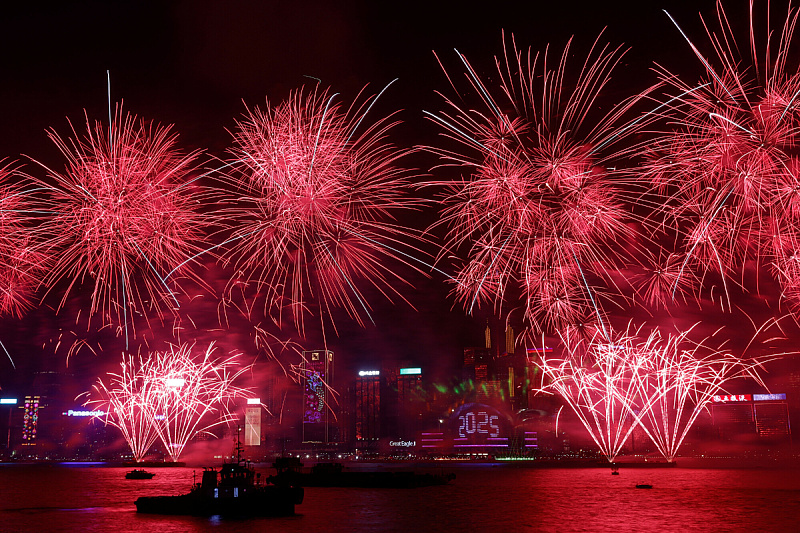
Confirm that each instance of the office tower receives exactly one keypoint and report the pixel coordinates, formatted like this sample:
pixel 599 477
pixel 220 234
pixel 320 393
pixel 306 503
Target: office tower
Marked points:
pixel 252 422
pixel 765 416
pixel 317 374
pixel 409 402
pixel 510 340
pixel 367 406
pixel 30 419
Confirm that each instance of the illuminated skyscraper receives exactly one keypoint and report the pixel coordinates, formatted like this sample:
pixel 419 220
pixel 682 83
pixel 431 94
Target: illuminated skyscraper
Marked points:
pixel 30 419
pixel 410 404
pixel 510 344
pixel 252 422
pixel 368 406
pixel 765 416
pixel 317 379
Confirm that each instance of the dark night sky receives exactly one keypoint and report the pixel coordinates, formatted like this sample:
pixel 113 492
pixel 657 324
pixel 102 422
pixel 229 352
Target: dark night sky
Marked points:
pixel 191 63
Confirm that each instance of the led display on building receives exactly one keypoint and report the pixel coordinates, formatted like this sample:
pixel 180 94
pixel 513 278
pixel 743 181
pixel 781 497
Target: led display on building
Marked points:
pixel 30 419
pixel 317 374
pixel 476 425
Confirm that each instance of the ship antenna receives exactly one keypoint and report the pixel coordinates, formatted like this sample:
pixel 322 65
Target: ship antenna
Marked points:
pixel 238 444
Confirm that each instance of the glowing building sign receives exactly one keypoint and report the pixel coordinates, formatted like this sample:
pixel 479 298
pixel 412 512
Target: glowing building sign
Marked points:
pixel 84 413
pixel 768 397
pixel 733 398
pixel 363 373
pixel 8 401
pixel 410 371
pixel 253 401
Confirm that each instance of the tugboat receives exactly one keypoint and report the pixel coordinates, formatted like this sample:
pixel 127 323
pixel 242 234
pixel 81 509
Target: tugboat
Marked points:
pixel 139 474
pixel 233 490
pixel 290 472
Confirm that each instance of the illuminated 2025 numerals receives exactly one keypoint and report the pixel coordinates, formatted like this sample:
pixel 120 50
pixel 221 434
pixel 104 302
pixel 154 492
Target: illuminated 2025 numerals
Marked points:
pixel 480 422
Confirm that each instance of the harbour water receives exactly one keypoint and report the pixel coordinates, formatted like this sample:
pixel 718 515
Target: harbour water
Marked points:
pixel 485 497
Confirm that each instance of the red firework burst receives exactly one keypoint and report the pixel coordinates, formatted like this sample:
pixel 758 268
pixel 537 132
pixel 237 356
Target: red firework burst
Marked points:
pixel 125 217
pixel 317 189
pixel 22 260
pixel 539 203
pixel 726 162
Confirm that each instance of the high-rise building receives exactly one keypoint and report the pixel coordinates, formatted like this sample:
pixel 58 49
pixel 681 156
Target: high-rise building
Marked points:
pixel 510 341
pixel 252 422
pixel 764 416
pixel 476 364
pixel 317 371
pixel 409 401
pixel 30 419
pixel 367 411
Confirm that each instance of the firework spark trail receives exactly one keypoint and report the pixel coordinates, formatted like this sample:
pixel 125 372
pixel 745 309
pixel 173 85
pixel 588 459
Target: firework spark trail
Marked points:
pixel 172 395
pixel 317 198
pixel 725 164
pixel 538 207
pixel 120 220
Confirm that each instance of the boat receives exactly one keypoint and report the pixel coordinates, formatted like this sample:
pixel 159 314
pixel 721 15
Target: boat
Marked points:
pixel 644 486
pixel 290 471
pixel 232 490
pixel 139 474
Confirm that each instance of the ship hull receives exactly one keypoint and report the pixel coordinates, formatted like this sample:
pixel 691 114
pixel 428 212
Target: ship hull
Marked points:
pixel 264 502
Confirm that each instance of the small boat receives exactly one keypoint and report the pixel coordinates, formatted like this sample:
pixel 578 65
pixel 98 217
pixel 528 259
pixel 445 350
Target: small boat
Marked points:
pixel 139 474
pixel 644 486
pixel 290 471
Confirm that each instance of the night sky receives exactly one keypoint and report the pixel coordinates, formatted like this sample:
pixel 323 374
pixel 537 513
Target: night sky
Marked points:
pixel 194 63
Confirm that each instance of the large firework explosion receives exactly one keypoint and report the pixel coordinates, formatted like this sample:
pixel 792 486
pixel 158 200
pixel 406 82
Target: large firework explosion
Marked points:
pixel 22 257
pixel 316 192
pixel 724 168
pixel 172 395
pixel 125 217
pixel 313 194
pixel 539 203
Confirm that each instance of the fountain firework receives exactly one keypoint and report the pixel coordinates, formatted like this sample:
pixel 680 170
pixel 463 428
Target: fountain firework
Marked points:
pixel 597 380
pixel 660 384
pixel 674 385
pixel 173 395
